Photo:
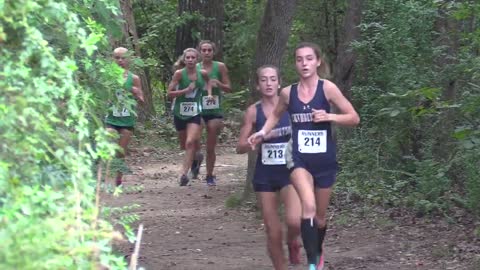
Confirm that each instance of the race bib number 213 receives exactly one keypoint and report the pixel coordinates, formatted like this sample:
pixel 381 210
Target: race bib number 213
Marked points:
pixel 273 153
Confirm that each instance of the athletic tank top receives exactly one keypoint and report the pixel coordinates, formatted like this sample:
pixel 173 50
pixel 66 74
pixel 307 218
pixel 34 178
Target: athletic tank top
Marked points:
pixel 122 113
pixel 188 105
pixel 272 151
pixel 212 106
pixel 311 140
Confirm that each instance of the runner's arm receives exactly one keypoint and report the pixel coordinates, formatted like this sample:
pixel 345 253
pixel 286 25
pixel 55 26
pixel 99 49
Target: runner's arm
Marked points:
pixel 278 111
pixel 137 88
pixel 348 116
pixel 225 84
pixel 208 82
pixel 273 119
pixel 247 127
pixel 172 92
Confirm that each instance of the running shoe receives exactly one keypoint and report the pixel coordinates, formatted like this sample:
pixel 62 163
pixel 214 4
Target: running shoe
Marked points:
pixel 312 267
pixel 184 180
pixel 195 170
pixel 118 180
pixel 294 255
pixel 211 180
pixel 321 263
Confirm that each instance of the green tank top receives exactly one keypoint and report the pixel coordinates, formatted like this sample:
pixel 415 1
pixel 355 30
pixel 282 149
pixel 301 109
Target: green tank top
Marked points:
pixel 212 106
pixel 122 114
pixel 188 105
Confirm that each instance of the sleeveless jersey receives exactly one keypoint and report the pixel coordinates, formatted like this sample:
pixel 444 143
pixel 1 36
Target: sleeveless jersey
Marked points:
pixel 313 142
pixel 212 106
pixel 271 155
pixel 188 105
pixel 122 113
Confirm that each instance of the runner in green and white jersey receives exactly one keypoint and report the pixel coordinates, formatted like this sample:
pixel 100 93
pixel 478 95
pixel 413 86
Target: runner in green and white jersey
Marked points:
pixel 186 87
pixel 212 111
pixel 121 117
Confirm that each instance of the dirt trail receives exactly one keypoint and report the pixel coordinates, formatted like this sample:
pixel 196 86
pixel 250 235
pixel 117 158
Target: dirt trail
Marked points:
pixel 191 228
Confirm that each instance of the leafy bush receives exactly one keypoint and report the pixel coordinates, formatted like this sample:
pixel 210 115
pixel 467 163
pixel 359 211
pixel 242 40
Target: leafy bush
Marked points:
pixel 54 81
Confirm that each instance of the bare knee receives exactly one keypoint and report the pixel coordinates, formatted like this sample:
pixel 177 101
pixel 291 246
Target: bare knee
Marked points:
pixel 191 143
pixel 308 209
pixel 274 232
pixel 211 150
pixel 321 220
pixel 293 222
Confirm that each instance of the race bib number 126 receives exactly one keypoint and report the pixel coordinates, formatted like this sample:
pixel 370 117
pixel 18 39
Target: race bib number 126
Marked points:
pixel 312 141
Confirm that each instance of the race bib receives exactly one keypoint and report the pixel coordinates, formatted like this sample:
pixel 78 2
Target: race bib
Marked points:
pixel 123 112
pixel 191 94
pixel 274 153
pixel 188 108
pixel 120 113
pixel 210 103
pixel 312 141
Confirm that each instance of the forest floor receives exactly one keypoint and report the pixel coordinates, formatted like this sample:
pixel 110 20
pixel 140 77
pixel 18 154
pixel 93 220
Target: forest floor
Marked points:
pixel 192 228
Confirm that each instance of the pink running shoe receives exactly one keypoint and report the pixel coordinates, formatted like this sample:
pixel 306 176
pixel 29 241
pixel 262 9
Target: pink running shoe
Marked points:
pixel 118 180
pixel 294 255
pixel 321 263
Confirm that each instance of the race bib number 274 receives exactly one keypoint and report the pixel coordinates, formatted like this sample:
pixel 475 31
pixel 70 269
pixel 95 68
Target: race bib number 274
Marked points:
pixel 188 108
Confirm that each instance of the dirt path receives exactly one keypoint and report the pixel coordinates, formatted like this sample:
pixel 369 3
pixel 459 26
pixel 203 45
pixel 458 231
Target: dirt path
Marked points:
pixel 191 228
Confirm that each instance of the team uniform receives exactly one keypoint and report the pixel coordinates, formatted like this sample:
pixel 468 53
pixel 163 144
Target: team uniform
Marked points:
pixel 187 108
pixel 121 115
pixel 312 146
pixel 271 175
pixel 212 107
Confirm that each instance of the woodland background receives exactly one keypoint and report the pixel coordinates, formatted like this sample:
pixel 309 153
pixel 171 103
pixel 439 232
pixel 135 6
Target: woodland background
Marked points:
pixel 410 67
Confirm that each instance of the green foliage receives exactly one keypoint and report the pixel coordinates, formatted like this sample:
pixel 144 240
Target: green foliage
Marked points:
pixel 54 80
pixel 418 98
pixel 233 201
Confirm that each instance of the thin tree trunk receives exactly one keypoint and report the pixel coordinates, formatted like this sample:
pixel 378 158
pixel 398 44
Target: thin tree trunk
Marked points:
pixel 448 37
pixel 129 30
pixel 271 44
pixel 185 33
pixel 212 26
pixel 346 58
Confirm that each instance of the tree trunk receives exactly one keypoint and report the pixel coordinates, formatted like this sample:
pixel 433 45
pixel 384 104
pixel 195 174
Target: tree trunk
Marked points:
pixel 345 61
pixel 186 32
pixel 448 29
pixel 212 26
pixel 271 43
pixel 130 35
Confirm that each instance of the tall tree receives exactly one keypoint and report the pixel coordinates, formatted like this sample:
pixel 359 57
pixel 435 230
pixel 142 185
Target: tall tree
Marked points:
pixel 186 32
pixel 271 43
pixel 345 60
pixel 273 35
pixel 204 20
pixel 130 36
pixel 213 12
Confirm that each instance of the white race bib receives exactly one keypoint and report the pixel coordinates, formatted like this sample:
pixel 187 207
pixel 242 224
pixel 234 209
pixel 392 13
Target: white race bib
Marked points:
pixel 210 103
pixel 312 141
pixel 188 108
pixel 123 112
pixel 274 153
pixel 120 113
pixel 191 94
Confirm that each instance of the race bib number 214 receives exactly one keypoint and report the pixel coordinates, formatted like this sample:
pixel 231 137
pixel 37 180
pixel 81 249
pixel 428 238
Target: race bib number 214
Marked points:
pixel 312 141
